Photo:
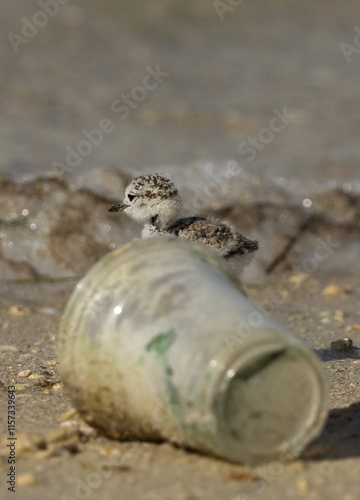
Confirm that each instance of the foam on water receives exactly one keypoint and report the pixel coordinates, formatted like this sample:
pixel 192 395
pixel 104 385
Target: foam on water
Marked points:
pixel 58 227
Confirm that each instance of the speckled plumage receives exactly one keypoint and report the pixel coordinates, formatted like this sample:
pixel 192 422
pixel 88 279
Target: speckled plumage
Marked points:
pixel 153 186
pixel 154 200
pixel 213 233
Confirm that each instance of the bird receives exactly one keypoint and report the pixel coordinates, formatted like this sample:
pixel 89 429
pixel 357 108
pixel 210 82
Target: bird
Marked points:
pixel 154 201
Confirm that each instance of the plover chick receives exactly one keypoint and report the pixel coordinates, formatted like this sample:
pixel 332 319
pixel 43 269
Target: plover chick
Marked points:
pixel 154 201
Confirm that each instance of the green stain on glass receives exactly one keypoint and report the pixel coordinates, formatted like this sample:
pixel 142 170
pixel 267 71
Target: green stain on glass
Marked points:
pixel 162 342
pixel 168 370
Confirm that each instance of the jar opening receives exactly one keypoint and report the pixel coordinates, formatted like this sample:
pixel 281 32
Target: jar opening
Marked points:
pixel 272 406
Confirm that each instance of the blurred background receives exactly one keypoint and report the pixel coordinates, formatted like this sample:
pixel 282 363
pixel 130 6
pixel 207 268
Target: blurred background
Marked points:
pixel 246 105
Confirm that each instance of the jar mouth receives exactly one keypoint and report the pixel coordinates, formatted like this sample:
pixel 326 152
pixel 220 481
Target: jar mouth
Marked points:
pixel 270 405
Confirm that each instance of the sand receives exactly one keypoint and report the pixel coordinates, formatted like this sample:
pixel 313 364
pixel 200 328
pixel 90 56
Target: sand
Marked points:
pixel 59 456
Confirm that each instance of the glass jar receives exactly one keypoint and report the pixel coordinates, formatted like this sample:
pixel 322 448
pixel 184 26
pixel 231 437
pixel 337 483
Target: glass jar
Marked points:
pixel 158 341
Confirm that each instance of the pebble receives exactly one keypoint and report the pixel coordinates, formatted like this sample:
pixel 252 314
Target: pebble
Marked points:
pixel 325 314
pixel 298 279
pixel 68 415
pixel 302 485
pixel 21 388
pixel 25 356
pixel 296 317
pixel 8 348
pixel 70 423
pixel 333 290
pixel 51 362
pixel 57 386
pixel 17 310
pixel 24 374
pixel 238 476
pixel 26 479
pixel 342 345
pixel 63 433
pixel 84 431
pixel 48 310
pixel 339 315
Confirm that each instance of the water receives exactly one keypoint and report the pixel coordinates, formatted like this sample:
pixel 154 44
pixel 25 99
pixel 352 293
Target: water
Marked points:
pixel 225 78
pixel 58 228
pixel 255 117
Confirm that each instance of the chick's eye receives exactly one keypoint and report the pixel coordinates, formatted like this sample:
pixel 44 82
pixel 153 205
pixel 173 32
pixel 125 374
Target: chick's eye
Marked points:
pixel 131 197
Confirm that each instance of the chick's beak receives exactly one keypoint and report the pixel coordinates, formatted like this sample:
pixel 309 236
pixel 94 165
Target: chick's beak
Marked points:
pixel 119 207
